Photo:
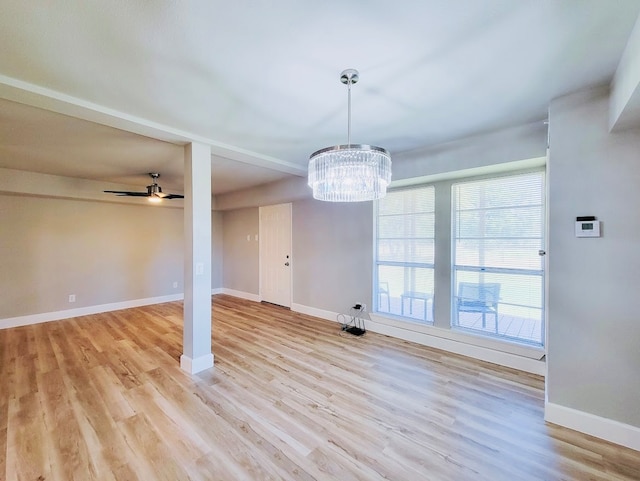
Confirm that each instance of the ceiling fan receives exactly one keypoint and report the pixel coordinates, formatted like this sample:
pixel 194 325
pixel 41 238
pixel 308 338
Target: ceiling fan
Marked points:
pixel 154 191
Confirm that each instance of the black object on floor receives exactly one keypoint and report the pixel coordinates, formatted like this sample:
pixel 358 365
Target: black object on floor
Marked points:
pixel 356 331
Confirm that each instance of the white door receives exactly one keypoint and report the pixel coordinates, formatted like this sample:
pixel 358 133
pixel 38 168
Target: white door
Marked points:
pixel 275 254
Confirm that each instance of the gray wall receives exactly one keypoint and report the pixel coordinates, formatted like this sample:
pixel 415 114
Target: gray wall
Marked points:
pixel 273 193
pixel 101 252
pixel 332 254
pixel 475 155
pixel 442 270
pixel 594 319
pixel 333 243
pixel 241 256
pixel 332 251
pixel 217 242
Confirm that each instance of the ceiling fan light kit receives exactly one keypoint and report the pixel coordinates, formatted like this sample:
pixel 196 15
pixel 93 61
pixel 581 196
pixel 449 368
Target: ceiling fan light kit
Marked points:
pixel 154 191
pixel 351 172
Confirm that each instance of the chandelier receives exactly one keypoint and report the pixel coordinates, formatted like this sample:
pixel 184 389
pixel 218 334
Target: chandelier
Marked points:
pixel 351 172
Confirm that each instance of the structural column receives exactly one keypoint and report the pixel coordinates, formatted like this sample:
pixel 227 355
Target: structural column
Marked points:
pixel 197 354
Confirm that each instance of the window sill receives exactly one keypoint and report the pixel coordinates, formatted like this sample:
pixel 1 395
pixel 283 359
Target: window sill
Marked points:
pixel 464 337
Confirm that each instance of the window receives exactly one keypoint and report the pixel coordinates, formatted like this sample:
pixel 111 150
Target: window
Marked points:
pixel 405 253
pixel 497 273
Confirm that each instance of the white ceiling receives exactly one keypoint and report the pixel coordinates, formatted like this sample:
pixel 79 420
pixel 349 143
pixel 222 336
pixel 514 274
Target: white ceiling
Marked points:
pixel 258 80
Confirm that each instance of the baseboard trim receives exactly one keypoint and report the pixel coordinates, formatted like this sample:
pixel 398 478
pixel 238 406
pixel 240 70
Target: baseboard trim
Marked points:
pixel 241 294
pixel 514 361
pixel 217 290
pixel 199 364
pixel 603 428
pixel 85 311
pixel 312 311
pixel 521 363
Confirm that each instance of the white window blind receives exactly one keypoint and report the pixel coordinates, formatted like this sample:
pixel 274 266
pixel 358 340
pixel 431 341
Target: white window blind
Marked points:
pixel 498 227
pixel 405 253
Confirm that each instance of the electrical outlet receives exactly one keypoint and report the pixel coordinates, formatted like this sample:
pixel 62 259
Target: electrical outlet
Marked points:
pixel 175 284
pixel 72 298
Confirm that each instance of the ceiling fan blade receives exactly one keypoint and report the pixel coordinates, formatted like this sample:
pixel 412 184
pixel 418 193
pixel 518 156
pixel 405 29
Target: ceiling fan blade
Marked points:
pixel 125 193
pixel 154 191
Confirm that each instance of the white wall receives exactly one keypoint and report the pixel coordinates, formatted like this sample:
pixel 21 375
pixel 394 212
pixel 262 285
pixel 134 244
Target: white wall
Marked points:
pixel 594 317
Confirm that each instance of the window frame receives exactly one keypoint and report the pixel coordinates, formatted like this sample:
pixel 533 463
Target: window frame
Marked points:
pixel 377 263
pixel 499 270
pixel 440 331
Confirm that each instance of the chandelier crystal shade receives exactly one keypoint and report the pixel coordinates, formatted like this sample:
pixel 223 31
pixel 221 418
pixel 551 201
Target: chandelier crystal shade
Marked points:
pixel 352 172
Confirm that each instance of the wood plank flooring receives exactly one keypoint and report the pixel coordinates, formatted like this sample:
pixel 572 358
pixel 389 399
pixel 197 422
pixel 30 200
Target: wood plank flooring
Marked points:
pixel 290 397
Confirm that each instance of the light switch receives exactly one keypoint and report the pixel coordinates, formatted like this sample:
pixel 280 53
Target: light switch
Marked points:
pixel 199 268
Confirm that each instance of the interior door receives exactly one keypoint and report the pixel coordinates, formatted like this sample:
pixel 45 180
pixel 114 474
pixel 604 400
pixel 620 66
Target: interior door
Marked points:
pixel 275 254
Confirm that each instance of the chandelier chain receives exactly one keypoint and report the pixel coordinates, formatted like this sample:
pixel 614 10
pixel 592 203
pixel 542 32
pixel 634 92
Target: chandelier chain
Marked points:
pixel 349 82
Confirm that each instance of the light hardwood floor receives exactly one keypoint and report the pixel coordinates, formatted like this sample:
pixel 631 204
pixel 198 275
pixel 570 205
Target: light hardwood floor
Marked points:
pixel 290 397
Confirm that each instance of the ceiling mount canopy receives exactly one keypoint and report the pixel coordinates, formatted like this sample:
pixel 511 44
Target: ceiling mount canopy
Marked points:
pixel 351 172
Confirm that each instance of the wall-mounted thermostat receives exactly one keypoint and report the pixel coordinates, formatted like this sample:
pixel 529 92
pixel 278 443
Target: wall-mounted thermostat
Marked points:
pixel 587 226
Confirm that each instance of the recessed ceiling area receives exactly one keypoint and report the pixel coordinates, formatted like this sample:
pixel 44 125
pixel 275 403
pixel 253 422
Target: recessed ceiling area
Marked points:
pixel 110 91
pixel 47 142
